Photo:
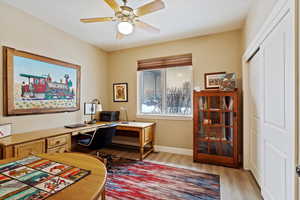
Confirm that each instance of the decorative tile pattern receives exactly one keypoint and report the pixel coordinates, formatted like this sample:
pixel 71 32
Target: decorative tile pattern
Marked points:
pixel 34 178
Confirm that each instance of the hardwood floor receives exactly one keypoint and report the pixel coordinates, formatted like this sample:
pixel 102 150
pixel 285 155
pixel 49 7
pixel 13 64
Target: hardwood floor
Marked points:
pixel 236 184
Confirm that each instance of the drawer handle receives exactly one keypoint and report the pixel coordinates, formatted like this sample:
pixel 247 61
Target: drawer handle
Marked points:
pixel 57 142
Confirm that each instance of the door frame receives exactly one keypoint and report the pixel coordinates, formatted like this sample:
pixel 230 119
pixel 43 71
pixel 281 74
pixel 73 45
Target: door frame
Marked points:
pixel 278 12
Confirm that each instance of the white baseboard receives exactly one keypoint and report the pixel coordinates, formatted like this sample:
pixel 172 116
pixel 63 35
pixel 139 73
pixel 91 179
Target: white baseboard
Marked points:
pixel 175 150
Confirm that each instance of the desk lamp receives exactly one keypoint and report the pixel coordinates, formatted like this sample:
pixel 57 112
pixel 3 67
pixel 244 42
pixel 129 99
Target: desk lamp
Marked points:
pixel 126 115
pixel 92 109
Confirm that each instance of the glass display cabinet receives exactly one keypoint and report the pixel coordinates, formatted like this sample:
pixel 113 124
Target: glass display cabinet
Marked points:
pixel 216 125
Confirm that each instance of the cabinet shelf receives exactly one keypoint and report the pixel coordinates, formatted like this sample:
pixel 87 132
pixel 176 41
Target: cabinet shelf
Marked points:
pixel 216 136
pixel 216 110
pixel 217 125
pixel 214 139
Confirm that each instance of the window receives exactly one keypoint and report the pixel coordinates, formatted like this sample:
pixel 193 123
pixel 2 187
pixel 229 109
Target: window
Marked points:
pixel 166 91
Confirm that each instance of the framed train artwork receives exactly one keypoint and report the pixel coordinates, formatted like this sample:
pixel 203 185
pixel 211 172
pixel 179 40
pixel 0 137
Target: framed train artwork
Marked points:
pixel 36 84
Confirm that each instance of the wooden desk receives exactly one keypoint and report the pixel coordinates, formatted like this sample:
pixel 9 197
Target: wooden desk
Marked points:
pixel 58 140
pixel 145 134
pixel 90 187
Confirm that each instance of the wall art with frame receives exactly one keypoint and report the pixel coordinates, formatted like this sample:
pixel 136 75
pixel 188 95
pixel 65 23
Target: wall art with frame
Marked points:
pixel 35 84
pixel 120 92
pixel 213 80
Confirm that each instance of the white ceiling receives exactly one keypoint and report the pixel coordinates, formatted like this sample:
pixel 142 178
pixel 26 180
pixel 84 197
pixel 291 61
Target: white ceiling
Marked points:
pixel 180 19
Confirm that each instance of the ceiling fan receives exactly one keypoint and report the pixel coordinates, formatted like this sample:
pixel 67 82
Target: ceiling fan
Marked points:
pixel 128 18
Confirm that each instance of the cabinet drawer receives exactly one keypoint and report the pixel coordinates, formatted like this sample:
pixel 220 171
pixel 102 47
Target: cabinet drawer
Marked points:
pixel 26 149
pixel 58 141
pixel 59 149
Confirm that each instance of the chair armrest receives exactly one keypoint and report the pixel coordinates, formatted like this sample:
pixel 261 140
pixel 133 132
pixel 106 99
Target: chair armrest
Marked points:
pixel 83 136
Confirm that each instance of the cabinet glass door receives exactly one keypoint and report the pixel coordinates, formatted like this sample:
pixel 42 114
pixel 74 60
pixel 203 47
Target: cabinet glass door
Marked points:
pixel 216 123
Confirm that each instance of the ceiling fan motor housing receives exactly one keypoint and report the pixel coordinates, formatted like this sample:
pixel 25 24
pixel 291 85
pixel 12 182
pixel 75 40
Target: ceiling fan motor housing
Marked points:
pixel 125 14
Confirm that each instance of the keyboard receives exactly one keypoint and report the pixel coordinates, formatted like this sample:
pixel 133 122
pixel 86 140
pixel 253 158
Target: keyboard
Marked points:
pixel 75 125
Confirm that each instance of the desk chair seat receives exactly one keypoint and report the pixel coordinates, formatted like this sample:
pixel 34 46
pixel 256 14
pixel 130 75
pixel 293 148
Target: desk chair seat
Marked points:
pixel 98 139
pixel 84 142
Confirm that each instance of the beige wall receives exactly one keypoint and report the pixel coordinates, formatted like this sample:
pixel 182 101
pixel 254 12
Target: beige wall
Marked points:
pixel 219 52
pixel 24 32
pixel 258 13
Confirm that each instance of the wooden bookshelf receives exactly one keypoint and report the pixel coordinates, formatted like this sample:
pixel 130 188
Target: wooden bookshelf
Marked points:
pixel 216 125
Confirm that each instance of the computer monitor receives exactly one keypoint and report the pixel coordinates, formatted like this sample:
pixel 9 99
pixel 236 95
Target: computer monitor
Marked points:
pixel 89 108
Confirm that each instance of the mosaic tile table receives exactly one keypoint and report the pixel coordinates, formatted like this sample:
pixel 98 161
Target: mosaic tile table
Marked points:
pixel 37 178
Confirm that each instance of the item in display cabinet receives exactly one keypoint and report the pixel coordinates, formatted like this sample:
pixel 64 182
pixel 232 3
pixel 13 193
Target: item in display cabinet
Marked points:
pixel 228 83
pixel 215 118
pixel 227 103
pixel 197 89
pixel 207 121
pixel 203 104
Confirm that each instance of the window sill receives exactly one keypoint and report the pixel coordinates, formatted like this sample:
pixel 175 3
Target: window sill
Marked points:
pixel 165 117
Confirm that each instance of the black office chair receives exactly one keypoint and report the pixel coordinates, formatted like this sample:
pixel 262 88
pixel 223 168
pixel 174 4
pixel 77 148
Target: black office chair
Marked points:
pixel 100 138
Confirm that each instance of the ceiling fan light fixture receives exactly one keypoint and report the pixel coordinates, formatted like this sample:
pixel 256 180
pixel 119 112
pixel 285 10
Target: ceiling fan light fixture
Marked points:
pixel 126 28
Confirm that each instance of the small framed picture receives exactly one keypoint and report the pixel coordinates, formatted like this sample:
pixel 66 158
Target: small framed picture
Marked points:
pixel 5 130
pixel 228 83
pixel 120 92
pixel 213 80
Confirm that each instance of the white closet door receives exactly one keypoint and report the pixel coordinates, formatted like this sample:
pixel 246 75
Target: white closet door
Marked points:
pixel 256 110
pixel 278 153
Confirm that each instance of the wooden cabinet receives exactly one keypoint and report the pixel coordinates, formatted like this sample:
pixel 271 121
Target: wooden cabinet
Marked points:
pixel 57 141
pixel 59 144
pixel 29 148
pixel 55 144
pixel 60 149
pixel 216 137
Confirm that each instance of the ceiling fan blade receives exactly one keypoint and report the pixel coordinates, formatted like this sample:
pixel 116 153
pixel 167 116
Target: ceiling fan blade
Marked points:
pixel 113 4
pixel 150 8
pixel 119 36
pixel 146 26
pixel 98 19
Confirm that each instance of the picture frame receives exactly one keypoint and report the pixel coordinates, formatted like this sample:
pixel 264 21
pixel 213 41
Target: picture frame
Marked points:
pixel 35 84
pixel 5 130
pixel 120 92
pixel 213 80
pixel 229 82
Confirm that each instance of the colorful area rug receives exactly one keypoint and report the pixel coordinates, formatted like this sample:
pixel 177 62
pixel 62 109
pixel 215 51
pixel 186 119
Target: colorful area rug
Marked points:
pixel 35 178
pixel 131 179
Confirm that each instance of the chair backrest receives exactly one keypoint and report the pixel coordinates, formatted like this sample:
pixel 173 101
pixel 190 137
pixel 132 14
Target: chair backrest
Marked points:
pixel 103 136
